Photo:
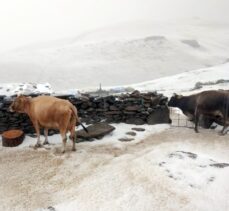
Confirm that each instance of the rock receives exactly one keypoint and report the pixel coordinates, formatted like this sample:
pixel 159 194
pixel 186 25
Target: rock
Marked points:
pixel 96 130
pixel 131 133
pixel 155 101
pixel 133 108
pixel 126 139
pixel 135 121
pixel 113 112
pixel 159 116
pixel 50 208
pixel 189 154
pixel 113 108
pixel 138 129
pixel 192 43
pixel 219 165
pixel 135 93
pixel 129 112
pixel 163 100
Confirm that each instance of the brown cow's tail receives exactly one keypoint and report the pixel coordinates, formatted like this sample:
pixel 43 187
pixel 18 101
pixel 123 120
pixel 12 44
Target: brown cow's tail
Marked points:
pixel 83 127
pixel 73 108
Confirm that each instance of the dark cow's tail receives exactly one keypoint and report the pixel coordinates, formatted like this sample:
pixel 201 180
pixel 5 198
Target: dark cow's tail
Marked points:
pixel 73 108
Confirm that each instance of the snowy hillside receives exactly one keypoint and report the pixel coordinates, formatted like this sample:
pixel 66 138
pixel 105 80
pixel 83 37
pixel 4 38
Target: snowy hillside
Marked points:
pixel 216 77
pixel 163 168
pixel 123 54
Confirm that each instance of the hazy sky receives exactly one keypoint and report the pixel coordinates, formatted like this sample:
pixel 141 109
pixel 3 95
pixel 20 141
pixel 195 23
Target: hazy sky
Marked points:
pixel 28 21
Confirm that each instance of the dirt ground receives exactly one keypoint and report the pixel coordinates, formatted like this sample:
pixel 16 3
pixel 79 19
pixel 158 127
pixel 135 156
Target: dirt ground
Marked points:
pixel 32 179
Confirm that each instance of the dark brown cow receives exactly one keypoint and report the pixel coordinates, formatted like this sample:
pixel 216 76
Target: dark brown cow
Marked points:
pixel 213 105
pixel 49 112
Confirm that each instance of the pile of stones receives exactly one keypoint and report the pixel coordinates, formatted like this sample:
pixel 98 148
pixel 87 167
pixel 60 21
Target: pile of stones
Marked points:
pixel 135 108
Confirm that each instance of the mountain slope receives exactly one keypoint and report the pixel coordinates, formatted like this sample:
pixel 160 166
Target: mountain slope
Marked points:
pixel 124 54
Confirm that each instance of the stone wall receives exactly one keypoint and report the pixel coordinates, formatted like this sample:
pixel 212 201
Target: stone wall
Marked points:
pixel 135 108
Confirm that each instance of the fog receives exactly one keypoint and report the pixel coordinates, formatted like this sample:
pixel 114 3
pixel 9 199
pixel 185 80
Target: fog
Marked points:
pixel 30 21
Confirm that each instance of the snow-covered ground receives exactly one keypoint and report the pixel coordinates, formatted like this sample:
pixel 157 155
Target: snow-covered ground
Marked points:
pixel 164 167
pixel 118 55
pixel 9 89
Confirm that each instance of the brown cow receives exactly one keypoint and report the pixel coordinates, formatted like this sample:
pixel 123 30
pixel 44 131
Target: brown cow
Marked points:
pixel 49 112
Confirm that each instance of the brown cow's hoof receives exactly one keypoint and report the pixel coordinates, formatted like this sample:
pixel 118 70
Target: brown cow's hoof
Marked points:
pixel 37 146
pixel 46 143
pixel 73 149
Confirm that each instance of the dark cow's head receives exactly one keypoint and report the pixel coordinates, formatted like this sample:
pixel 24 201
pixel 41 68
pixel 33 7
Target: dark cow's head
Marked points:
pixel 19 104
pixel 174 100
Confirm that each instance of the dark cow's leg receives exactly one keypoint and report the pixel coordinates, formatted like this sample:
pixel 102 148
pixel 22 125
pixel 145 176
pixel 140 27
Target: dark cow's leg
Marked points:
pixel 222 132
pixel 225 126
pixel 46 131
pixel 196 119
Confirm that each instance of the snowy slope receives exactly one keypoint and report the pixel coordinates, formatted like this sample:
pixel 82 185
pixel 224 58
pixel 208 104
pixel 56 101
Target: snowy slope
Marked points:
pixel 122 54
pixel 216 77
pixel 164 168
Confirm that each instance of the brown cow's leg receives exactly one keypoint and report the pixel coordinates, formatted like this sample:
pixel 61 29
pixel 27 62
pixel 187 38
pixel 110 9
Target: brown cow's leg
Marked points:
pixel 46 131
pixel 73 137
pixel 37 129
pixel 64 139
pixel 71 128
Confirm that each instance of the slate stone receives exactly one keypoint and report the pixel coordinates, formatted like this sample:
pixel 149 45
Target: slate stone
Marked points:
pixel 113 108
pixel 138 129
pixel 132 108
pixel 135 93
pixel 131 133
pixel 126 139
pixel 96 130
pixel 159 116
pixel 112 112
pixel 219 165
pixel 135 121
pixel 189 154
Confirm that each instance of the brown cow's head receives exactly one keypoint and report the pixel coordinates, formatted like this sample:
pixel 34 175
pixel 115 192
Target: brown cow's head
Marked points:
pixel 174 100
pixel 20 104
